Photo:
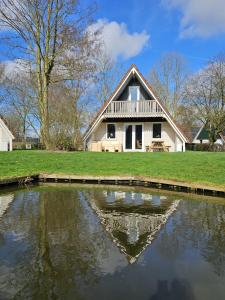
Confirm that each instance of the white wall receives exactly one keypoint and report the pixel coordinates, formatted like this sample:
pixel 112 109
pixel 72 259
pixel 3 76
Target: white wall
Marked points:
pixel 100 133
pixel 168 135
pixel 179 145
pixel 5 138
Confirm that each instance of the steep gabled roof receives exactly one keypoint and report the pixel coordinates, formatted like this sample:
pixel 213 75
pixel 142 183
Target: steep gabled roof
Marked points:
pixel 203 134
pixel 3 123
pixel 131 71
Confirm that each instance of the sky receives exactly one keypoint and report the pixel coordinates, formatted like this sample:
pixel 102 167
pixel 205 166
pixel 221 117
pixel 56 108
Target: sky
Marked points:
pixel 140 31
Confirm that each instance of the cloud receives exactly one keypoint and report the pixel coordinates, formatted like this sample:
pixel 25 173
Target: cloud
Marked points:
pixel 201 18
pixel 118 41
pixel 16 70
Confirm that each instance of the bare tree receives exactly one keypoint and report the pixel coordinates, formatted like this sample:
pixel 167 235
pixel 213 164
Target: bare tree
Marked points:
pixel 186 117
pixel 52 36
pixel 65 115
pixel 205 91
pixel 108 73
pixel 168 77
pixel 19 99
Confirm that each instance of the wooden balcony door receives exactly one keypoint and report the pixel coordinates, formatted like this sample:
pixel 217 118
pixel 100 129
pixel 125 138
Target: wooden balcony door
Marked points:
pixel 133 137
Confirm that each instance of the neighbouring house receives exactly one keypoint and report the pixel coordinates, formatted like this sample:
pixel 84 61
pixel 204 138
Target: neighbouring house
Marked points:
pixel 6 136
pixel 29 143
pixel 134 119
pixel 202 137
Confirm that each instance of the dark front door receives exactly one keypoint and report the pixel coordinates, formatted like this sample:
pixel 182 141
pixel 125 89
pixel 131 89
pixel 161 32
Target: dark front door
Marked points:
pixel 138 137
pixel 129 137
pixel 133 137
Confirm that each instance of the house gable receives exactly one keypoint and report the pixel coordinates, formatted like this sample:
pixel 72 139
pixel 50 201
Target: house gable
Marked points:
pixel 133 81
pixel 132 77
pixel 5 128
pixel 203 134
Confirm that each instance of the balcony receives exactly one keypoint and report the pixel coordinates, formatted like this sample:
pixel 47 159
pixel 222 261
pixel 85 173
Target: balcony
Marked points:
pixel 141 108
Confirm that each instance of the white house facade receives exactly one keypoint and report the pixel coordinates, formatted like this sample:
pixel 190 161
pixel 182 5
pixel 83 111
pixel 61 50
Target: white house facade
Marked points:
pixel 134 119
pixel 6 137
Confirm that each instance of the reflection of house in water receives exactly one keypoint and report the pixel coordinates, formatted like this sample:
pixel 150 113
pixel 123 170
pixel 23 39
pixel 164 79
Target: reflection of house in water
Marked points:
pixel 5 201
pixel 132 219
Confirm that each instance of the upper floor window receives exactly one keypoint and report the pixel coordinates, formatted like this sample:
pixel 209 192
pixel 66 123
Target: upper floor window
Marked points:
pixel 157 128
pixel 134 93
pixel 111 131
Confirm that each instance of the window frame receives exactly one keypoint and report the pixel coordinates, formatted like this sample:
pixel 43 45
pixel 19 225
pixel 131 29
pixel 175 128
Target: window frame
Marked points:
pixel 138 92
pixel 160 130
pixel 109 138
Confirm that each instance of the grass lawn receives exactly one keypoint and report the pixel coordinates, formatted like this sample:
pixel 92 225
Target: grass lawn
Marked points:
pixel 193 167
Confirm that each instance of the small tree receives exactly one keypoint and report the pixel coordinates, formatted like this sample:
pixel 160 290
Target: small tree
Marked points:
pixel 65 117
pixel 108 73
pixel 19 99
pixel 168 77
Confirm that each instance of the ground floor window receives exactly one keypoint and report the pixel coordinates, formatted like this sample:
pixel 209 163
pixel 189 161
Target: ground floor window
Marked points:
pixel 157 128
pixel 111 131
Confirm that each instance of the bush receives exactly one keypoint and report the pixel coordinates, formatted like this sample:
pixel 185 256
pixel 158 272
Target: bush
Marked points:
pixel 19 146
pixel 202 147
pixel 205 147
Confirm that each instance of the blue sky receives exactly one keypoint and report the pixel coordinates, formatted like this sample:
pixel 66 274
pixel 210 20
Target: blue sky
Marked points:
pixel 140 31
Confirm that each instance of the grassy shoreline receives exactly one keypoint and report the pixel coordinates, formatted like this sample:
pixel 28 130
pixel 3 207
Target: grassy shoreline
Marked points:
pixel 192 167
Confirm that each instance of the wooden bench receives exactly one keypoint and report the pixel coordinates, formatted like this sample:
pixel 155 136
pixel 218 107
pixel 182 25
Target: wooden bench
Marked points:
pixel 157 146
pixel 111 146
pixel 106 146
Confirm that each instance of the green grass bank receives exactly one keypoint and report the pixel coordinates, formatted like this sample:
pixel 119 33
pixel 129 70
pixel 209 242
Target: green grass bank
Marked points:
pixel 192 167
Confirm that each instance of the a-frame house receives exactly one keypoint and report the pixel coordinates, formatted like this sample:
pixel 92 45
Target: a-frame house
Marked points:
pixel 202 137
pixel 134 119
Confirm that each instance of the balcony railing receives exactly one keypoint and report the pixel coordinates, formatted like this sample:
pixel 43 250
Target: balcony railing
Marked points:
pixel 133 109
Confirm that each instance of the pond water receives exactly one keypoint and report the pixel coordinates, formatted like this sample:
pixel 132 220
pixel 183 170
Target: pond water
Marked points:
pixel 91 242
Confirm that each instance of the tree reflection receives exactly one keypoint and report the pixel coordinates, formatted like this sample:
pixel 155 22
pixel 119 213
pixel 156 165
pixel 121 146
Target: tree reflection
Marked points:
pixel 179 289
pixel 201 226
pixel 56 252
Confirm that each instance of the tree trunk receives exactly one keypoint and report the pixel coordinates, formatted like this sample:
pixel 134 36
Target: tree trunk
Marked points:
pixel 45 115
pixel 212 138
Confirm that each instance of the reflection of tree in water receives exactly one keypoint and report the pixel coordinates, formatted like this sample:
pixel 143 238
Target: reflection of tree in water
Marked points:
pixel 214 249
pixel 56 250
pixel 202 226
pixel 178 290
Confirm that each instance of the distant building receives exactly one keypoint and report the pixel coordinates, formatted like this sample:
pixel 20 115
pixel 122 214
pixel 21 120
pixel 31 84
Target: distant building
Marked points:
pixel 6 136
pixel 202 137
pixel 28 144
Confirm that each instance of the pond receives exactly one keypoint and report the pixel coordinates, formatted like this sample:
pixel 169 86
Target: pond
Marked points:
pixel 104 242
